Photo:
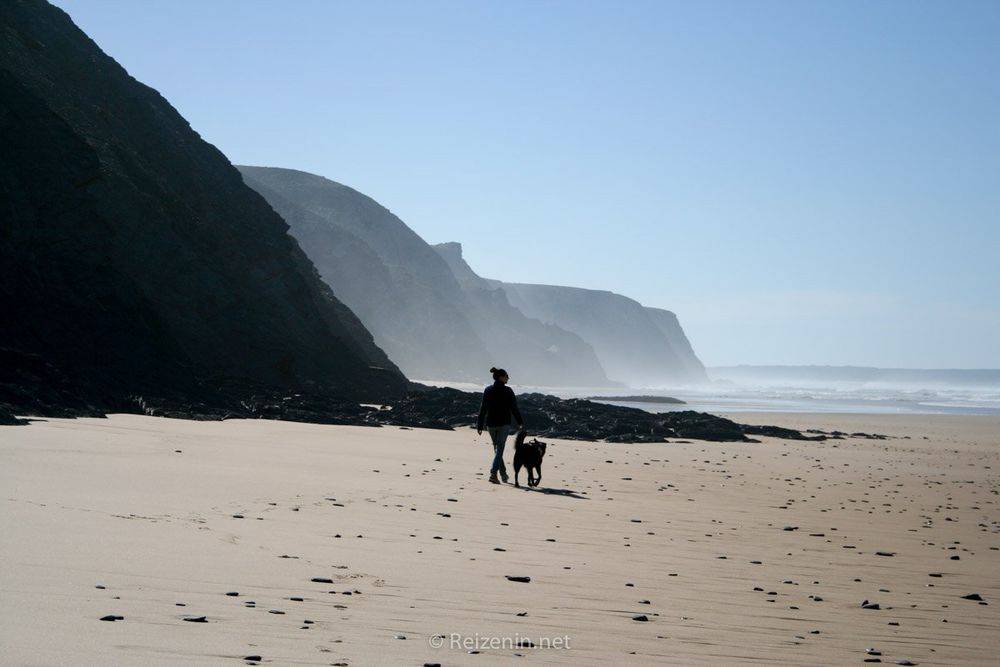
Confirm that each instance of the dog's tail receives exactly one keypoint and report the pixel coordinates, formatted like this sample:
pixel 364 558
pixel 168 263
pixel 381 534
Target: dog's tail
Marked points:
pixel 519 440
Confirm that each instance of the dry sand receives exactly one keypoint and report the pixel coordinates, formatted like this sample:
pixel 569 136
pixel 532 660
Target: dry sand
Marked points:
pixel 107 517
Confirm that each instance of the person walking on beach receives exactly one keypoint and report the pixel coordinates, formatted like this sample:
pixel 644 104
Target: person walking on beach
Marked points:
pixel 498 408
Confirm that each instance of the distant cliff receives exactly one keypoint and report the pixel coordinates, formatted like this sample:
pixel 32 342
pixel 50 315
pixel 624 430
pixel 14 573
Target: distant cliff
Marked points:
pixel 635 345
pixel 133 258
pixel 527 342
pixel 433 324
pixel 671 327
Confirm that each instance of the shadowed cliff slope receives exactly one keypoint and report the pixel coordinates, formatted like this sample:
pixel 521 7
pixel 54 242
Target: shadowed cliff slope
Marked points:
pixel 132 255
pixel 432 324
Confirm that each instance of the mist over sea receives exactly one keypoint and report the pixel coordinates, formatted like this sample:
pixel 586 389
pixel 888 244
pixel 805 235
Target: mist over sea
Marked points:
pixel 833 389
pixel 841 389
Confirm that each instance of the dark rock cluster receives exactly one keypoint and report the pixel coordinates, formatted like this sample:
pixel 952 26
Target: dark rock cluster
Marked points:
pixel 574 419
pixel 780 432
pixel 422 407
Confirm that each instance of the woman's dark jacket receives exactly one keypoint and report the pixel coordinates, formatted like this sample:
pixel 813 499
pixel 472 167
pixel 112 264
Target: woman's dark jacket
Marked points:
pixel 498 406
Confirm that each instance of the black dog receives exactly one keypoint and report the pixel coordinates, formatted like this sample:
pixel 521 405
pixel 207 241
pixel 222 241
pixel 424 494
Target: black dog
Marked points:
pixel 528 455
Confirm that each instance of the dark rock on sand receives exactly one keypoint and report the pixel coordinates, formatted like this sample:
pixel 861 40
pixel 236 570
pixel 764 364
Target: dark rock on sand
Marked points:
pixel 666 400
pixel 436 408
pixel 7 418
pixel 523 580
pixel 112 618
pixel 573 419
pixel 779 432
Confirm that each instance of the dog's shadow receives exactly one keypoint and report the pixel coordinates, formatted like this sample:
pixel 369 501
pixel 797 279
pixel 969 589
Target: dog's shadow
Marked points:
pixel 566 493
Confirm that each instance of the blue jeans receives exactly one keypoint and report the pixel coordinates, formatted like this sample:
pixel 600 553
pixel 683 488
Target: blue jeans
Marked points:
pixel 499 435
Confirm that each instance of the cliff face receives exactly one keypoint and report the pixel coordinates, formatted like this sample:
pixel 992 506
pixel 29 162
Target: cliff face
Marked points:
pixel 538 351
pixel 671 327
pixel 433 324
pixel 132 255
pixel 636 345
pixel 388 275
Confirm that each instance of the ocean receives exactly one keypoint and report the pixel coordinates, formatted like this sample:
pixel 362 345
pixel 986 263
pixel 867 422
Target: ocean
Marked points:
pixel 812 389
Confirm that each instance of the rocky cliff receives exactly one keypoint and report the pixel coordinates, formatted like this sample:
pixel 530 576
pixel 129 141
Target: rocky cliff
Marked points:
pixel 133 258
pixel 434 323
pixel 642 347
pixel 541 349
pixel 386 273
pixel 671 327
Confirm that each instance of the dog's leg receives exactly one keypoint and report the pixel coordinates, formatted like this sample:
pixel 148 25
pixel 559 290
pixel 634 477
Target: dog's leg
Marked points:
pixel 517 471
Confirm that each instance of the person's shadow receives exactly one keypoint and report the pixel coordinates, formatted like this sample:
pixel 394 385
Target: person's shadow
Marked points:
pixel 566 493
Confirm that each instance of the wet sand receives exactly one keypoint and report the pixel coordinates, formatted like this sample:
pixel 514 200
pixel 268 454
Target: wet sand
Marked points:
pixel 333 545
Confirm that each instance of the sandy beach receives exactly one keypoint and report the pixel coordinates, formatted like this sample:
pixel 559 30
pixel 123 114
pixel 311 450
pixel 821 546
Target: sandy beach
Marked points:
pixel 335 545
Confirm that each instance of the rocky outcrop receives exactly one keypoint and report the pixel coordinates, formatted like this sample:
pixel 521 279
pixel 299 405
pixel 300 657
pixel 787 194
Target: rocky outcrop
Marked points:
pixel 432 322
pixel 642 347
pixel 445 408
pixel 575 419
pixel 133 258
pixel 665 400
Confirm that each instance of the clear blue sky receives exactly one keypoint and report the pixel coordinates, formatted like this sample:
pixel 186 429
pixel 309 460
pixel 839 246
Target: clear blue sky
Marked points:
pixel 802 182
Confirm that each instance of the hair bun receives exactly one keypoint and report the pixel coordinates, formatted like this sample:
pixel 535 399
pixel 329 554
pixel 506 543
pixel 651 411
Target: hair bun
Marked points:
pixel 493 370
